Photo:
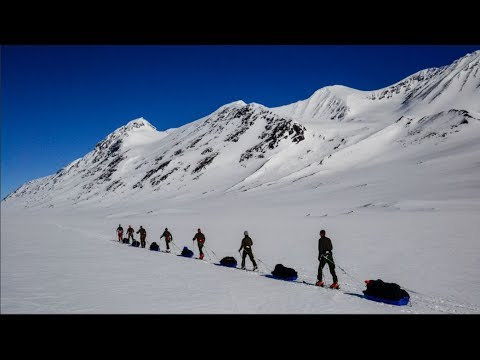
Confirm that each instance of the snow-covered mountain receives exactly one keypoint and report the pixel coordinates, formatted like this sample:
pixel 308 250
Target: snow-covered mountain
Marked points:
pixel 454 86
pixel 242 147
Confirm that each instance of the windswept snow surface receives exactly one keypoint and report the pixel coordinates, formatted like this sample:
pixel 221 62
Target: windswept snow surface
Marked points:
pixel 67 262
pixel 392 175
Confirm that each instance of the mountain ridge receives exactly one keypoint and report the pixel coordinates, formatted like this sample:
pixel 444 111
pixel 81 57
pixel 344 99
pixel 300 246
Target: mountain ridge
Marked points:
pixel 242 146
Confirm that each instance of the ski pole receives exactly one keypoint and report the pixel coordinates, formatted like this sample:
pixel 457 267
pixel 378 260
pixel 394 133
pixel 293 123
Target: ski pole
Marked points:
pixel 207 254
pixel 207 248
pixel 326 258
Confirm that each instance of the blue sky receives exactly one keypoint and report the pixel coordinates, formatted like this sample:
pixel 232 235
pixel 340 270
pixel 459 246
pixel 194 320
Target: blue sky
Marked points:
pixel 58 101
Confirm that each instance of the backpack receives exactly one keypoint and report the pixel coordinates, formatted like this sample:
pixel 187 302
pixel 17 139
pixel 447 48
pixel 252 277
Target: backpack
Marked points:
pixel 187 252
pixel 283 272
pixel 228 261
pixel 154 246
pixel 135 243
pixel 389 291
pixel 126 241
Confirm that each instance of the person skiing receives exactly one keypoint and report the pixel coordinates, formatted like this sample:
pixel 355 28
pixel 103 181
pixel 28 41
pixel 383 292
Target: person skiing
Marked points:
pixel 325 256
pixel 200 241
pixel 143 236
pixel 247 250
pixel 130 232
pixel 168 237
pixel 120 233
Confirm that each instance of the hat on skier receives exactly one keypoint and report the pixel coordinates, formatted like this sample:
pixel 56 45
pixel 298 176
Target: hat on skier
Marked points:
pixel 245 233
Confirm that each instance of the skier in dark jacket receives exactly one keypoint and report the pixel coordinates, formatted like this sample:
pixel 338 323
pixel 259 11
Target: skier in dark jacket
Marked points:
pixel 120 233
pixel 143 236
pixel 130 232
pixel 168 237
pixel 325 256
pixel 200 240
pixel 247 250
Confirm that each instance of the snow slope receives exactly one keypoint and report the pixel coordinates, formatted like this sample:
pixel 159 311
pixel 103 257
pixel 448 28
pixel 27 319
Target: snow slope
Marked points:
pixel 391 175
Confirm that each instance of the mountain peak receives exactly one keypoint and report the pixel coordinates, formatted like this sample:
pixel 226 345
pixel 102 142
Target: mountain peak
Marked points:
pixel 339 91
pixel 237 103
pixel 138 123
pixel 116 138
pixel 234 104
pixel 328 102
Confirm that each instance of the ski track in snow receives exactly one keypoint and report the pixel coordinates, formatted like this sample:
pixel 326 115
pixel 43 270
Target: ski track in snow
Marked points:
pixel 63 266
pixel 417 300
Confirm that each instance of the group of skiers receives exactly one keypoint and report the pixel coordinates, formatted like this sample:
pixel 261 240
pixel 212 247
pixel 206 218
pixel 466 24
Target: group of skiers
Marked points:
pixel 325 248
pixel 166 234
pixel 130 231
